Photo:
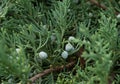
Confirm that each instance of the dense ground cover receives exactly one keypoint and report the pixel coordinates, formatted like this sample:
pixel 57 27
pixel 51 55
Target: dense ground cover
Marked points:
pixel 60 42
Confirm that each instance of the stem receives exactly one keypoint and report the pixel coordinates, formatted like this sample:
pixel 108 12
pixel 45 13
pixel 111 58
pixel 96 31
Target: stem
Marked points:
pixel 100 5
pixel 47 71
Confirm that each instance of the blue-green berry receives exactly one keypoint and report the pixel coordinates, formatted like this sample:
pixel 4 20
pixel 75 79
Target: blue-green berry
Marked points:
pixel 18 50
pixel 69 47
pixel 71 38
pixel 64 54
pixel 118 16
pixel 43 55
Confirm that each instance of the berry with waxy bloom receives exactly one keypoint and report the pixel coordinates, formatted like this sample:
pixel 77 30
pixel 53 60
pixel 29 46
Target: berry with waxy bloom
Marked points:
pixel 69 47
pixel 64 54
pixel 43 55
pixel 71 38
pixel 118 16
pixel 18 50
pixel 53 37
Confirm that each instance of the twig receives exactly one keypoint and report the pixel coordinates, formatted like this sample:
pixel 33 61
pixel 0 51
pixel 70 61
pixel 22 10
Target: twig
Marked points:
pixel 98 4
pixel 78 54
pixel 101 6
pixel 47 71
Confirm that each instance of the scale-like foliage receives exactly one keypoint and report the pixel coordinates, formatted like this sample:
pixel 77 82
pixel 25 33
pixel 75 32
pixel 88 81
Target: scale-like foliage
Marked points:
pixel 58 29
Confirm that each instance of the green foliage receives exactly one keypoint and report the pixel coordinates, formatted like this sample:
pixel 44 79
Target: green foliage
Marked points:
pixel 98 53
pixel 32 26
pixel 12 64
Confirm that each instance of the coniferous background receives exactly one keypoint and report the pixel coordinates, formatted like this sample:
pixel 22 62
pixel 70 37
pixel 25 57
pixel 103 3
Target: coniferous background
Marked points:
pixel 60 41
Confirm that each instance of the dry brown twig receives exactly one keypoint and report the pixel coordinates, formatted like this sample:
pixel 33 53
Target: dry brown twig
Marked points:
pixel 101 5
pixel 98 4
pixel 82 60
pixel 47 71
